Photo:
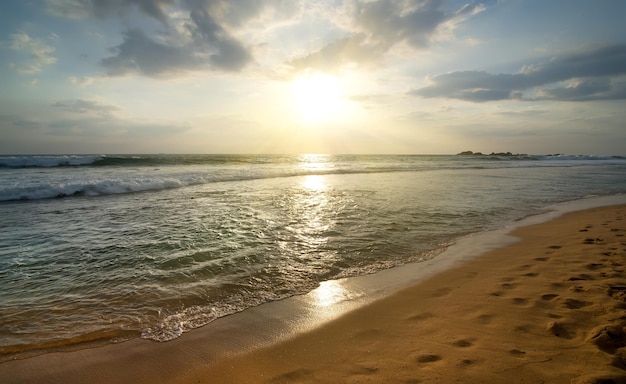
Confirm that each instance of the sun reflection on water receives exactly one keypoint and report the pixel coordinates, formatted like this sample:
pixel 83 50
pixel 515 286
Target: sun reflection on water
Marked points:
pixel 316 162
pixel 329 293
pixel 314 183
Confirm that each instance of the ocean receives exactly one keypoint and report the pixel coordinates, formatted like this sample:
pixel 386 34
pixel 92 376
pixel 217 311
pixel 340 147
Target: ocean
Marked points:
pixel 107 248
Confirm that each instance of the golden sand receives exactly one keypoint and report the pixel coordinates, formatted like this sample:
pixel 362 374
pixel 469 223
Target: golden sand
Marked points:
pixel 548 309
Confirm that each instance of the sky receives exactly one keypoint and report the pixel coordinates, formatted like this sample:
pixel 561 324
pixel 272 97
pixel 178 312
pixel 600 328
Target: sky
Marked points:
pixel 326 76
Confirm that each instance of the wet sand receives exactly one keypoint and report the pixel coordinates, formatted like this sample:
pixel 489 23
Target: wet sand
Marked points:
pixel 549 308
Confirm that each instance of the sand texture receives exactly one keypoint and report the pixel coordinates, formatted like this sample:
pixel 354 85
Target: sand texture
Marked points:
pixel 548 309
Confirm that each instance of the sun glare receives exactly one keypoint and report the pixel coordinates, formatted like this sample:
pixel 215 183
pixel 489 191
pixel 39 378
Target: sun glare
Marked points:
pixel 317 98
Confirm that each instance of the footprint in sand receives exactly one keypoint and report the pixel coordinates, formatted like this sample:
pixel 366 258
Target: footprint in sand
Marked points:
pixel 531 274
pixel 608 338
pixel 520 301
pixel 576 304
pixel 517 352
pixel 549 296
pixel 364 370
pixel 428 358
pixel 420 316
pixel 508 285
pixel 555 247
pixel 485 318
pixel 618 292
pixel 559 330
pixel 467 363
pixel 463 343
pixel 582 276
pixel 542 258
pixel 442 292
pixel 293 376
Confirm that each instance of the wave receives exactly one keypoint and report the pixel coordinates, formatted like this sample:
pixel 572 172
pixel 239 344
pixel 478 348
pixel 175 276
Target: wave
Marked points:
pixel 128 174
pixel 90 188
pixel 49 161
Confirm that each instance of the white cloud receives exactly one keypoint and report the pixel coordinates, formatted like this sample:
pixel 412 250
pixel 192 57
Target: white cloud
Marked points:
pixel 37 53
pixel 373 28
pixel 81 81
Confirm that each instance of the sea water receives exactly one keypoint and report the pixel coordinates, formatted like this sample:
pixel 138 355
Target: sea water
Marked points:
pixel 105 248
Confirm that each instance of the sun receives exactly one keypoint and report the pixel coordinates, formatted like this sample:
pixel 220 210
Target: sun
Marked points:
pixel 317 98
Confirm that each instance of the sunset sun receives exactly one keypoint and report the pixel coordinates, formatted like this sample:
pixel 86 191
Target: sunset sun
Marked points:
pixel 317 98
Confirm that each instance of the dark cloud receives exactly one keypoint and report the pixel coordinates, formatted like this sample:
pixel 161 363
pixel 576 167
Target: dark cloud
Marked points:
pixel 142 55
pixel 587 89
pixel 229 53
pixel 210 24
pixel 108 8
pixel 380 25
pixel 205 44
pixel 590 75
pixel 211 48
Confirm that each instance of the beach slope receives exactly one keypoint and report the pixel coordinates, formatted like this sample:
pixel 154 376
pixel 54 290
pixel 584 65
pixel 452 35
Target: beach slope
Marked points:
pixel 549 308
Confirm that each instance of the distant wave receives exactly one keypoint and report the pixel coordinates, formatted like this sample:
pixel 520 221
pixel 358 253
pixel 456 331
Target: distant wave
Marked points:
pixel 138 173
pixel 49 161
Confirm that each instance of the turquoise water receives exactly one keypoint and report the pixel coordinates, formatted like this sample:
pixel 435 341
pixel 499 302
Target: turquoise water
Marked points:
pixel 112 247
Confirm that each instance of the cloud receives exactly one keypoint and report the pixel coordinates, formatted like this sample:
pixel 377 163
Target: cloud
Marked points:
pixel 229 53
pixel 37 53
pixel 202 43
pixel 195 34
pixel 86 107
pixel 593 74
pixel 78 9
pixel 375 27
pixel 391 21
pixel 354 49
pixel 81 81
pixel 210 48
pixel 140 54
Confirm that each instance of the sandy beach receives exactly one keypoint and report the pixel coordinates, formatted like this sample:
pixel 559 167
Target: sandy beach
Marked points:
pixel 550 308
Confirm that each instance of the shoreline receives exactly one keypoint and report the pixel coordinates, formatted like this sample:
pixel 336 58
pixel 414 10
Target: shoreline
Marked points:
pixel 255 335
pixel 549 308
